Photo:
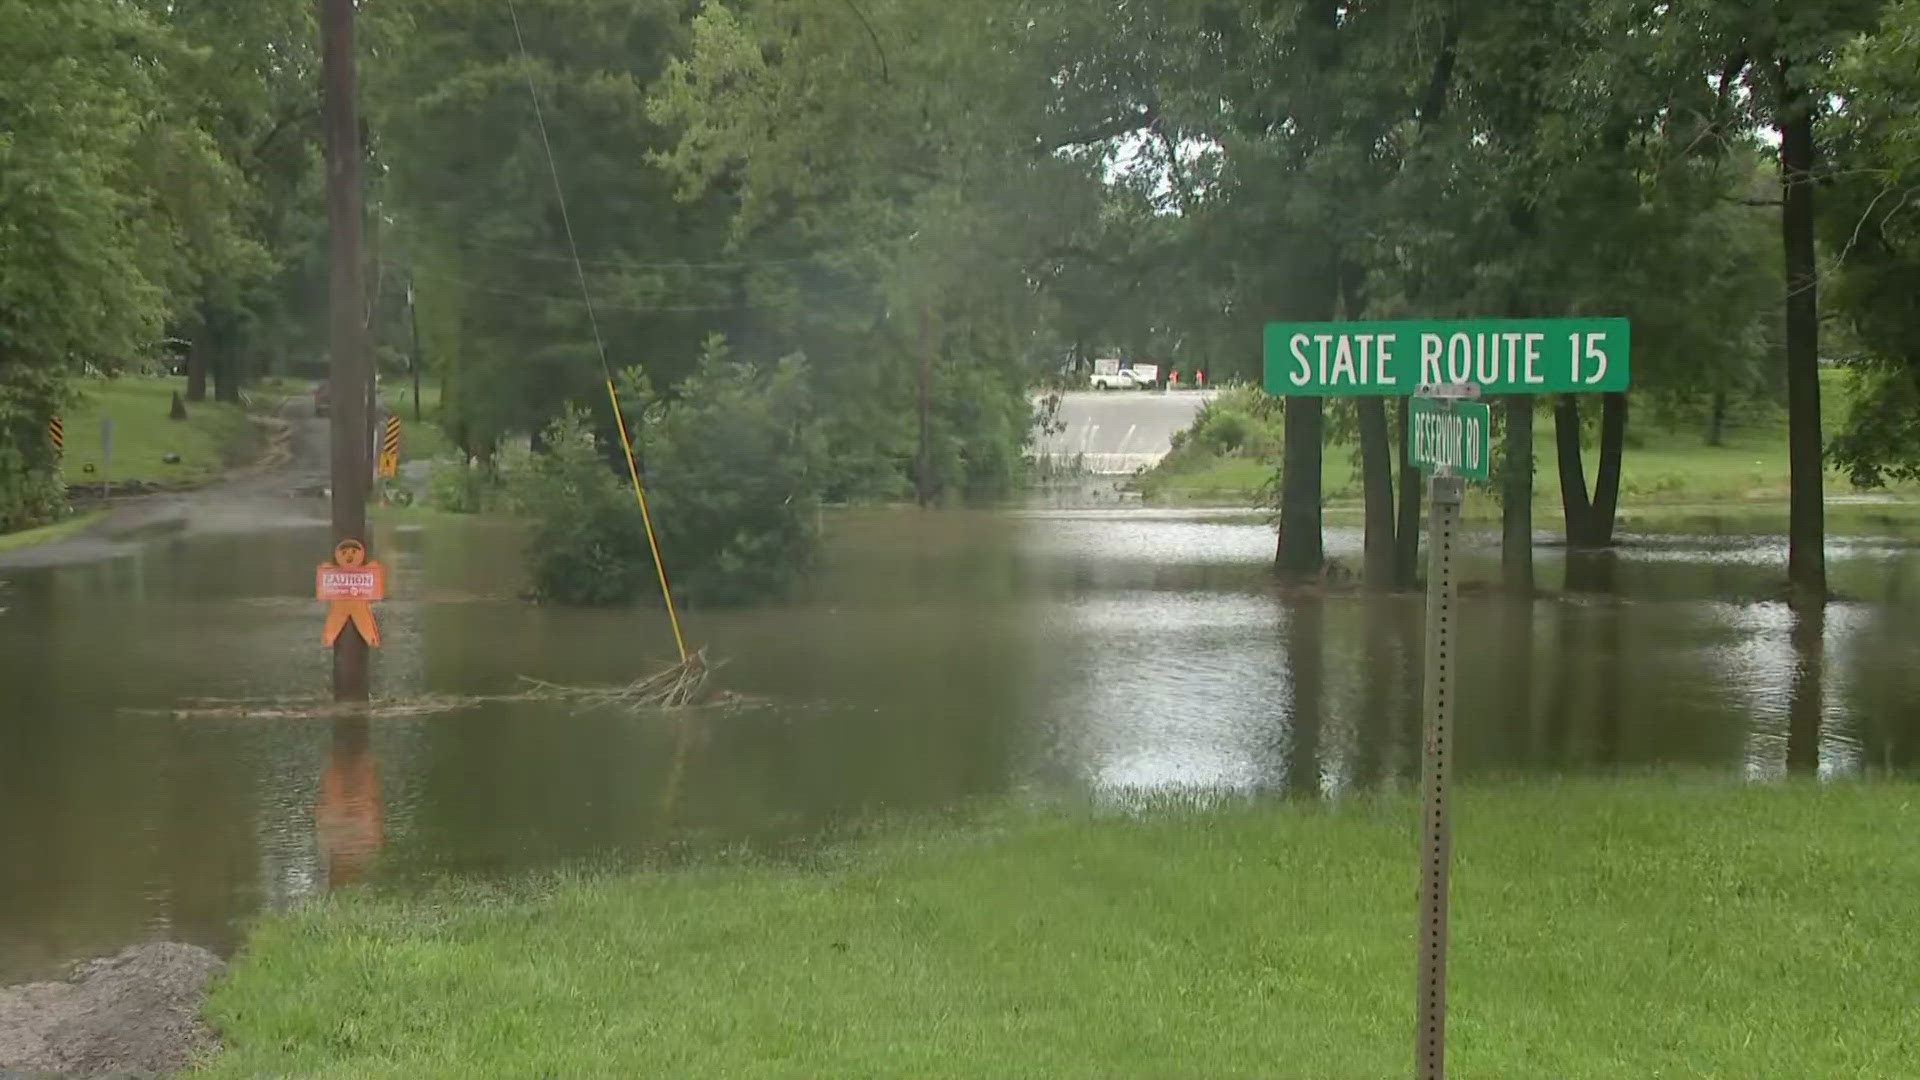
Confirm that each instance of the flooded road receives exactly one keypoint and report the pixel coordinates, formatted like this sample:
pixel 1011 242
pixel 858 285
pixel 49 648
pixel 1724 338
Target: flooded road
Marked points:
pixel 935 658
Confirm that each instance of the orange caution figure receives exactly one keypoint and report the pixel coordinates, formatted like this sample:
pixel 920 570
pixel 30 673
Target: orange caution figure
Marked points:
pixel 350 583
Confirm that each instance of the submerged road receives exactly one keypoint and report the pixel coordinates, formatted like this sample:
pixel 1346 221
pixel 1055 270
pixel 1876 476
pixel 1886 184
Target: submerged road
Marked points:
pixel 1119 431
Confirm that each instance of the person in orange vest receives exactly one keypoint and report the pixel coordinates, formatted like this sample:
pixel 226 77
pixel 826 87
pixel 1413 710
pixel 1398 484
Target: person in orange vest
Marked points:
pixel 1199 379
pixel 1173 378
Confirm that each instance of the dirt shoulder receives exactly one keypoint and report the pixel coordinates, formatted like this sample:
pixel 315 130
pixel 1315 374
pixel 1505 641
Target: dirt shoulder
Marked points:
pixel 136 1012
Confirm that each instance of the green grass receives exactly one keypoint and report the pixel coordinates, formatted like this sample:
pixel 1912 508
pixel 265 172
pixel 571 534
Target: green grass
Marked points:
pixel 213 437
pixel 1661 466
pixel 1602 928
pixel 59 530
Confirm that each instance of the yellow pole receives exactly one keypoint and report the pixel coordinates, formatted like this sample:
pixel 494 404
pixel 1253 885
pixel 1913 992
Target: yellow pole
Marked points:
pixel 620 421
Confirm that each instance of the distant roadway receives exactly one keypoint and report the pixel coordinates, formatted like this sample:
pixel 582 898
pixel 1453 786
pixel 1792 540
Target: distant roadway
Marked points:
pixel 1120 431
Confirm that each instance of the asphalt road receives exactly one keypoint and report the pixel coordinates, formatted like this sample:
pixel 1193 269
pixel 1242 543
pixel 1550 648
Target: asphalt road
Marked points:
pixel 1120 431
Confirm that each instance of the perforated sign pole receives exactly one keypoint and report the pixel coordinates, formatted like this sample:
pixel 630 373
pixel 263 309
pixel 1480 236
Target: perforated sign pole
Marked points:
pixel 1436 841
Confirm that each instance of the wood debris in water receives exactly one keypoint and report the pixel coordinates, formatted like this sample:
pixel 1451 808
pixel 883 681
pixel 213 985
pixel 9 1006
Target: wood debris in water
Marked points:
pixel 682 685
pixel 675 687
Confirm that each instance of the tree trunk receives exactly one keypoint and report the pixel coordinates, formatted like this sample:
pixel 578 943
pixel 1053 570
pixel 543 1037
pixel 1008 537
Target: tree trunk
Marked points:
pixel 923 471
pixel 1606 481
pixel 225 361
pixel 1806 530
pixel 197 356
pixel 1516 504
pixel 1300 553
pixel 1717 420
pixel 1574 506
pixel 1376 468
pixel 1406 539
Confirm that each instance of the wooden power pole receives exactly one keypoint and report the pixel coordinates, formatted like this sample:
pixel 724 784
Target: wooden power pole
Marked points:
pixel 351 369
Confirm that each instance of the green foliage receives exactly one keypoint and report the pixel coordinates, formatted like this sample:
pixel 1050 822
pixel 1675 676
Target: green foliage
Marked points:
pixel 587 545
pixel 1241 423
pixel 30 489
pixel 463 487
pixel 734 463
pixel 732 466
pixel 1872 222
pixel 477 231
pixel 85 261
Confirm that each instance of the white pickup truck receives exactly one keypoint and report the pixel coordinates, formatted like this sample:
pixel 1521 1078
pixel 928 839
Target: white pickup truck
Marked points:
pixel 1112 375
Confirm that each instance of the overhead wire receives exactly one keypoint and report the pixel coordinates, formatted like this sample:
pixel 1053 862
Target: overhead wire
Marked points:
pixel 640 309
pixel 600 346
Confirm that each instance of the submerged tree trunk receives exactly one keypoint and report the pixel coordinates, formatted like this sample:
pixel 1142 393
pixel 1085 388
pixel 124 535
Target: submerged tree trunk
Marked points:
pixel 1606 481
pixel 1806 530
pixel 1376 469
pixel 1590 518
pixel 1574 507
pixel 1406 539
pixel 1300 553
pixel 1516 503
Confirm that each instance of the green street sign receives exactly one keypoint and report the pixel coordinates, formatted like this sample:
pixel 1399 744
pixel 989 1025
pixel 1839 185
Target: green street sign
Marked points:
pixel 1450 435
pixel 1500 356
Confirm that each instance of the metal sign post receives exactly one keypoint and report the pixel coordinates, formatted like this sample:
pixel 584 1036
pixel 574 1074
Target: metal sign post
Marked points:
pixel 1444 365
pixel 1436 759
pixel 1461 449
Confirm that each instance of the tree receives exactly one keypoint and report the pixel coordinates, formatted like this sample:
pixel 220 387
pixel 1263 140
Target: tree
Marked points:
pixel 93 160
pixel 1873 227
pixel 1783 53
pixel 246 86
pixel 478 229
pixel 953 198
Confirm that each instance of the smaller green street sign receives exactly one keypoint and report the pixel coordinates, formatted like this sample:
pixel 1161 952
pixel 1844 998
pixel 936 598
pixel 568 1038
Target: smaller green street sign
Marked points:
pixel 1500 356
pixel 1450 435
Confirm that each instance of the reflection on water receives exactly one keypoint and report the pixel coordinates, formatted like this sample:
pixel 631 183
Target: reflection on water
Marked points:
pixel 348 824
pixel 936 658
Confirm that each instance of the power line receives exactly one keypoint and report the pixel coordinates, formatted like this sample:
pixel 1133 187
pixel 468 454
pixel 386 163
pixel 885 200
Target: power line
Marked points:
pixel 604 305
pixel 626 264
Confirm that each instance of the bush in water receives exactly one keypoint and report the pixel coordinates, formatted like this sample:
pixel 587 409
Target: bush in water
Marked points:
pixel 587 545
pixel 732 466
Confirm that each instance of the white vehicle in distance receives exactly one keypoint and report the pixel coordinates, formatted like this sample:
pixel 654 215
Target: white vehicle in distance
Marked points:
pixel 1111 375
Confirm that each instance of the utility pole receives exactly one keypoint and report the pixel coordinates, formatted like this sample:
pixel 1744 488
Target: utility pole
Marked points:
pixel 350 371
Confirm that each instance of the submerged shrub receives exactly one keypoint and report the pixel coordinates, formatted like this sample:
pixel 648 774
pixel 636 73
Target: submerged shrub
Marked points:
pixel 732 466
pixel 735 463
pixel 587 545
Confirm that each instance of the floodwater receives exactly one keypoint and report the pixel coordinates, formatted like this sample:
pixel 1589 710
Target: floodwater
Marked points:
pixel 934 659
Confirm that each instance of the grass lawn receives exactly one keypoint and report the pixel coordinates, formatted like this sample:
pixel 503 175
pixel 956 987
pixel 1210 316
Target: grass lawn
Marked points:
pixel 1654 926
pixel 1660 466
pixel 59 530
pixel 213 437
